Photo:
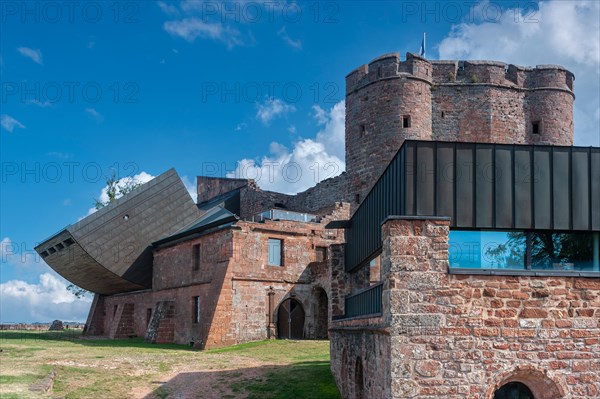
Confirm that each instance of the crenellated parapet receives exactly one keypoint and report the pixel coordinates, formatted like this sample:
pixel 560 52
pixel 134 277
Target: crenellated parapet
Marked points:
pixel 390 100
pixel 499 73
pixel 389 66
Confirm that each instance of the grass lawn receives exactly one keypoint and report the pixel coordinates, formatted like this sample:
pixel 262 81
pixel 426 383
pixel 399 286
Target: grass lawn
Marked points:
pixel 115 369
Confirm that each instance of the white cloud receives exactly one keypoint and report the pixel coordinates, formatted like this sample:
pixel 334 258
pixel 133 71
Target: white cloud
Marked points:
pixel 241 126
pixel 292 129
pixel 272 108
pixel 295 44
pixel 92 113
pixel 9 123
pixel 333 132
pixel 192 28
pixel 190 187
pixel 33 54
pixel 39 103
pixel 141 177
pixel 43 302
pixel 168 9
pixel 560 32
pixel 310 161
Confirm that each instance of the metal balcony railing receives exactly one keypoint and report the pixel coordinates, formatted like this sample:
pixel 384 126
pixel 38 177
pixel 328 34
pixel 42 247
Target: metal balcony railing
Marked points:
pixel 366 302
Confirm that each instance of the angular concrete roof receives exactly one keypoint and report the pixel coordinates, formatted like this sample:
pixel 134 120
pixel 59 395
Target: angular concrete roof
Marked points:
pixel 109 251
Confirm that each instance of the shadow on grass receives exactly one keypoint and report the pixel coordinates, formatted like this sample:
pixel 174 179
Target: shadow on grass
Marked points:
pixel 74 336
pixel 303 380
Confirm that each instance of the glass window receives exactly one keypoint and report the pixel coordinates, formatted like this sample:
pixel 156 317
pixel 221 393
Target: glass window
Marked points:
pixel 275 251
pixel 196 309
pixel 521 250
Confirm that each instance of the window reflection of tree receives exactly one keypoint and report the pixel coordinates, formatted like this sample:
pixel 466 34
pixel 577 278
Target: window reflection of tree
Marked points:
pixel 543 250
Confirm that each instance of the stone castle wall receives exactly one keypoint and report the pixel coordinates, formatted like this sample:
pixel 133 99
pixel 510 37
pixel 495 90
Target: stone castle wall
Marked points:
pixel 239 291
pixel 456 336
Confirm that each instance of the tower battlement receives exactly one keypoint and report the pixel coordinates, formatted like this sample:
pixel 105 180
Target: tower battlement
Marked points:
pixel 389 66
pixel 390 100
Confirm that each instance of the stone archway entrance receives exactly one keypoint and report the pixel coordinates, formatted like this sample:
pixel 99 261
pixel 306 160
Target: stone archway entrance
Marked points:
pixel 526 382
pixel 290 320
pixel 321 314
pixel 513 390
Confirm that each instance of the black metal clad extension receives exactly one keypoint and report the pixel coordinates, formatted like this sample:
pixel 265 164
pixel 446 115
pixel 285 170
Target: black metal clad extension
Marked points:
pixel 391 193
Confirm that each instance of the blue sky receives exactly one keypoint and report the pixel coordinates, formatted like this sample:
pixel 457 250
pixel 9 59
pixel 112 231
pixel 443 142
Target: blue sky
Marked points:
pixel 139 87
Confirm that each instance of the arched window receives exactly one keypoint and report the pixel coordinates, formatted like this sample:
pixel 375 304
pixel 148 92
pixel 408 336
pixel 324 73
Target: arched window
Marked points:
pixel 513 390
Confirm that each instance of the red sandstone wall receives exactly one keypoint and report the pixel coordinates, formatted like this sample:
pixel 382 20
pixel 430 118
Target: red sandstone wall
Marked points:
pixel 211 187
pixel 455 336
pixel 377 98
pixel 300 275
pixel 233 283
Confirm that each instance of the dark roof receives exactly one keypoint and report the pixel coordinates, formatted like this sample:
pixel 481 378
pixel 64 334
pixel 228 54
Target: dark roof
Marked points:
pixel 213 217
pixel 229 201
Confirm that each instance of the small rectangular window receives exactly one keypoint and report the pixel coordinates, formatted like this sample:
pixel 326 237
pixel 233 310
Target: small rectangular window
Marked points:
pixel 60 246
pixel 275 252
pixel 357 198
pixel 51 250
pixel 406 121
pixel 148 316
pixel 363 130
pixel 196 309
pixel 321 254
pixel 535 127
pixel 196 257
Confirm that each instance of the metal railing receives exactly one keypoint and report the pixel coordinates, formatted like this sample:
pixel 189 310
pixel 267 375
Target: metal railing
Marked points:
pixel 279 214
pixel 366 302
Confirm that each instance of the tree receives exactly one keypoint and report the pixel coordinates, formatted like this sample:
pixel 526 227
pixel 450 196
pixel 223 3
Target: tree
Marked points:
pixel 77 291
pixel 543 250
pixel 116 188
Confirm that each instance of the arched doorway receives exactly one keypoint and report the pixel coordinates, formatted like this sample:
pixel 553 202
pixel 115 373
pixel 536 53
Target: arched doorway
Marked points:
pixel 290 320
pixel 513 390
pixel 526 382
pixel 321 314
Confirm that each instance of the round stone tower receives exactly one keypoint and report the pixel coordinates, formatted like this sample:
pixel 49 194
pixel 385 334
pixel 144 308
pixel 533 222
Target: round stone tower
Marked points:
pixel 550 105
pixel 387 102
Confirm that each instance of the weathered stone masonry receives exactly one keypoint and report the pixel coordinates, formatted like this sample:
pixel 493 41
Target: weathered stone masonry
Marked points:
pixel 457 336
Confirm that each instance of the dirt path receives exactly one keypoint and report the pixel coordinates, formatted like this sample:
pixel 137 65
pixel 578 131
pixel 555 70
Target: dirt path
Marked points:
pixel 215 377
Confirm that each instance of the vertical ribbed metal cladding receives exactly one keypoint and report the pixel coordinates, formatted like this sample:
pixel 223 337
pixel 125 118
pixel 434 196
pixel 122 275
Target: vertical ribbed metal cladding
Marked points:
pixel 481 186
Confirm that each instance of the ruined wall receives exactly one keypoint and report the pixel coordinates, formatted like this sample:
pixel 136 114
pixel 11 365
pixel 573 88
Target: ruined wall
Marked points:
pixel 208 188
pixel 235 284
pixel 253 201
pixel 323 195
pixel 301 275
